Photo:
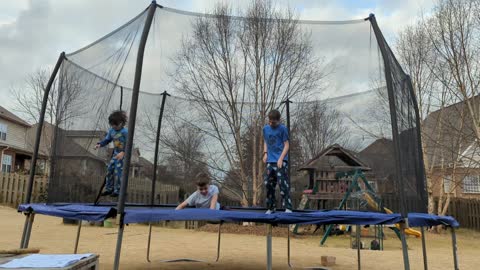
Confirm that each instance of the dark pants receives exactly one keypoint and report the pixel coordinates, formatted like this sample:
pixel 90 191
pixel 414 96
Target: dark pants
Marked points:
pixel 114 170
pixel 273 175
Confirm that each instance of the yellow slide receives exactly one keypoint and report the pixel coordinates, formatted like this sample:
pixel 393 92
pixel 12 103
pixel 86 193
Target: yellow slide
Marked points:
pixel 371 202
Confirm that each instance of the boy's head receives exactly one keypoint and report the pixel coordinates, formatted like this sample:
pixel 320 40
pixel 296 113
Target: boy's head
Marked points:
pixel 274 118
pixel 203 180
pixel 117 119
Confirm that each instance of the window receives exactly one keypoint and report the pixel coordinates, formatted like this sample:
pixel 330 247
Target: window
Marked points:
pixel 6 163
pixel 3 132
pixel 471 184
pixel 447 183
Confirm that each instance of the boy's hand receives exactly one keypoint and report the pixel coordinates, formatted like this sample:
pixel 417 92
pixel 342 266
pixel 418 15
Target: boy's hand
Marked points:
pixel 265 158
pixel 97 146
pixel 280 163
pixel 119 156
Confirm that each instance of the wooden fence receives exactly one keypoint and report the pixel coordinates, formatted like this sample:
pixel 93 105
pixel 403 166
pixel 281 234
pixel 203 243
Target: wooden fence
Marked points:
pixel 13 189
pixel 465 211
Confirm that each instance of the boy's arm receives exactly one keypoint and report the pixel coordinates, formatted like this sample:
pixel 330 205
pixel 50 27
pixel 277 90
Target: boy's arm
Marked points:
pixel 182 205
pixel 106 140
pixel 286 147
pixel 187 202
pixel 125 138
pixel 265 152
pixel 213 203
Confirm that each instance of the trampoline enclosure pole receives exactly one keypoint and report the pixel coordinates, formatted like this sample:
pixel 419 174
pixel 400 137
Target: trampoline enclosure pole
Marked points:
pixel 157 142
pixel 36 147
pixel 131 130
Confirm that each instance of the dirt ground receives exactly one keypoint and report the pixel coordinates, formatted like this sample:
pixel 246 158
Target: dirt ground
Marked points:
pixel 239 251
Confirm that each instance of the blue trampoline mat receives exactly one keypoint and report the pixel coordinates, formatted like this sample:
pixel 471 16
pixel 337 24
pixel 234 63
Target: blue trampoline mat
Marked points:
pixel 142 214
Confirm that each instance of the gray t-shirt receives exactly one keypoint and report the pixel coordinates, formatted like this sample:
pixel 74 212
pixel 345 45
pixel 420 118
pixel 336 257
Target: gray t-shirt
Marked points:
pixel 200 201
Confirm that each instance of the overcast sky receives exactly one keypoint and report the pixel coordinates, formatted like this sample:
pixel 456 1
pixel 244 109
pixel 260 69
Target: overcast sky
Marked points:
pixel 33 33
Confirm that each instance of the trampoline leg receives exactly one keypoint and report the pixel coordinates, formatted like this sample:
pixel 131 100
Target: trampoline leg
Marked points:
pixel 424 249
pixel 358 245
pixel 406 262
pixel 218 242
pixel 269 246
pixel 25 226
pixel 29 230
pixel 79 229
pixel 454 246
pixel 118 248
pixel 149 241
pixel 288 247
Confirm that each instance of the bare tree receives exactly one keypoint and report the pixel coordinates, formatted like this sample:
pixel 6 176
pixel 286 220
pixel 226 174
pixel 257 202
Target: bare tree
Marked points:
pixel 28 97
pixel 414 49
pixel 318 126
pixel 239 69
pixel 65 101
pixel 441 54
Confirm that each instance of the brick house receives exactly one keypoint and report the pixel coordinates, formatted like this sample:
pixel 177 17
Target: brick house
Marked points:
pixel 452 151
pixel 16 145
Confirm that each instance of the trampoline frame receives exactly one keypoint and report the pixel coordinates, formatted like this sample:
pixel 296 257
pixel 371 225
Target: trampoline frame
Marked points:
pixel 268 237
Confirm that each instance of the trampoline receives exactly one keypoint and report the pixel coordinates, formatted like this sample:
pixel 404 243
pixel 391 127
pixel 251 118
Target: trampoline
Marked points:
pixel 343 69
pixel 136 213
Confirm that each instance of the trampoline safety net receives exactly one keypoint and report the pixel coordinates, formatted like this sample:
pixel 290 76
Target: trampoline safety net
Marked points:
pixel 223 74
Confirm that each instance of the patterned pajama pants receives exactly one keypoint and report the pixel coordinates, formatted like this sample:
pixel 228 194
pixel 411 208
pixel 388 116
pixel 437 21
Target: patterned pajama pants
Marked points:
pixel 114 170
pixel 273 175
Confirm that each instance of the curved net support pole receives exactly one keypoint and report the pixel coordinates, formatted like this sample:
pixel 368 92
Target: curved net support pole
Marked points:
pixel 287 110
pixel 41 120
pixel 131 130
pixel 155 165
pixel 393 113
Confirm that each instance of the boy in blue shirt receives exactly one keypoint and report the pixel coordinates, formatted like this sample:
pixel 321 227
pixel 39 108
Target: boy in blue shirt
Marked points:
pixel 275 156
pixel 118 135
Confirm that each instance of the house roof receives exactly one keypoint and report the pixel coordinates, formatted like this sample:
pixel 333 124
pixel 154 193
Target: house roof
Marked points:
pixel 85 133
pixel 379 156
pixel 449 132
pixel 336 157
pixel 7 115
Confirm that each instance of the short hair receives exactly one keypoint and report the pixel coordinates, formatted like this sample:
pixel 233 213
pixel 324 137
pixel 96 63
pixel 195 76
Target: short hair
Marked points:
pixel 274 115
pixel 117 118
pixel 202 179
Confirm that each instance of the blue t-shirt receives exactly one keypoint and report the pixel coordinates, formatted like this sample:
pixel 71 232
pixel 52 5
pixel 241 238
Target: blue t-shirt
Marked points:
pixel 119 138
pixel 275 139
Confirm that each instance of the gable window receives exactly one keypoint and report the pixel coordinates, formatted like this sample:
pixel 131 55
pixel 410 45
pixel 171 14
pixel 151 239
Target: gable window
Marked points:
pixel 3 132
pixel 471 184
pixel 6 163
pixel 447 183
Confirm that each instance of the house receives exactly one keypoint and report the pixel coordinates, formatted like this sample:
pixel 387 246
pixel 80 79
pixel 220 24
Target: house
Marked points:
pixel 15 144
pixel 452 152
